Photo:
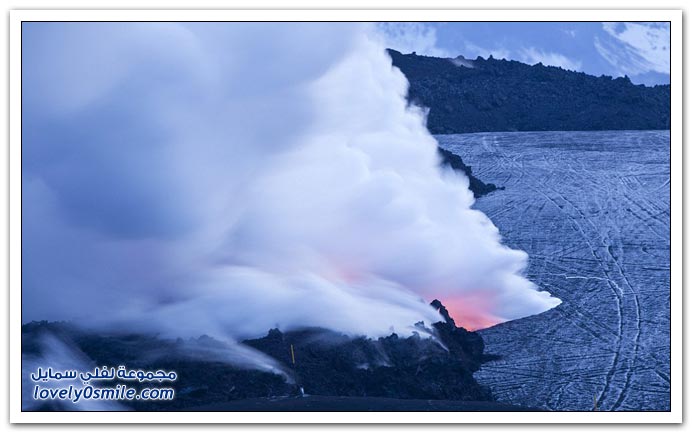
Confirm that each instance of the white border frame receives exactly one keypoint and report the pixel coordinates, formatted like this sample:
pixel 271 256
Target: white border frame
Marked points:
pixel 17 16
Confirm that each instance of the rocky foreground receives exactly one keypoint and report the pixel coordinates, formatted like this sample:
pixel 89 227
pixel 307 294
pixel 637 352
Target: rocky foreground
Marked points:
pixel 436 362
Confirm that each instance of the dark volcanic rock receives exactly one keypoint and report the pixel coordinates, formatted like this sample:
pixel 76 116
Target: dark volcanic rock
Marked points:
pixel 477 186
pixel 202 364
pixel 328 363
pixel 498 95
pixel 436 362
pixel 462 344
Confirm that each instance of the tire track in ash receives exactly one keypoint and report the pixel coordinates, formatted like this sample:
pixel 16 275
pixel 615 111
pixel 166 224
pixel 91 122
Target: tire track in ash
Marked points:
pixel 625 261
pixel 519 169
pixel 615 288
pixel 634 293
pixel 630 360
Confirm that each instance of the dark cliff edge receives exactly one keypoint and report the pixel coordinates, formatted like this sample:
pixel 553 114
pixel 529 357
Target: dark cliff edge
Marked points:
pixel 477 186
pixel 490 95
pixel 323 363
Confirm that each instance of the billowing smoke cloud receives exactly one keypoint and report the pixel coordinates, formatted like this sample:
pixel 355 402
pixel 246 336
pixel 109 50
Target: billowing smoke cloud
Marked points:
pixel 226 178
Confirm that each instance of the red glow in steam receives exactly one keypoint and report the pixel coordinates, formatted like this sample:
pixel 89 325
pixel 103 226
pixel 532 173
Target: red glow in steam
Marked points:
pixel 471 310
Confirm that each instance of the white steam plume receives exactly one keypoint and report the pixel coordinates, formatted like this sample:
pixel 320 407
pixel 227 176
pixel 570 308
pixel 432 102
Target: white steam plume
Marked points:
pixel 60 354
pixel 225 178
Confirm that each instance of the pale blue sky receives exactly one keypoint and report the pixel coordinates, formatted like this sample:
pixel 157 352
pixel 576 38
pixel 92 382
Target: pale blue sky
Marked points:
pixel 639 50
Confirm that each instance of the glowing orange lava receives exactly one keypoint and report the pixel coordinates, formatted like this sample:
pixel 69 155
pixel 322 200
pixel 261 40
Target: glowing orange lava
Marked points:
pixel 471 310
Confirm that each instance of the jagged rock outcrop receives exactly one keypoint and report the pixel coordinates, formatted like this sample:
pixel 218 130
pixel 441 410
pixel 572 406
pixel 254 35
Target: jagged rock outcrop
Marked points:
pixel 435 362
pixel 329 363
pixel 477 186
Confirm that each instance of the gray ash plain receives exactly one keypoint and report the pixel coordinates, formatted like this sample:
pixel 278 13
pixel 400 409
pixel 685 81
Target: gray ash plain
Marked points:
pixel 592 210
